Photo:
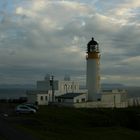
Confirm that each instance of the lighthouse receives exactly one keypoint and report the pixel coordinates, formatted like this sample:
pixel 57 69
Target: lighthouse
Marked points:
pixel 93 76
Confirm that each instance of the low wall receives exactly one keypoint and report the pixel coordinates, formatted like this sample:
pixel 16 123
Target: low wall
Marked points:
pixel 100 104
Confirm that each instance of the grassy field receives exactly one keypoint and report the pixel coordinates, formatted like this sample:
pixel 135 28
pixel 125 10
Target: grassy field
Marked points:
pixel 53 123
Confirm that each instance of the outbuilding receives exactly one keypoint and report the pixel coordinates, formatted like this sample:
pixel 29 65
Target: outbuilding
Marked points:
pixel 39 97
pixel 71 98
pixel 115 98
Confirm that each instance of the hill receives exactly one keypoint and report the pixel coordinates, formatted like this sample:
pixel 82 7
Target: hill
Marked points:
pixel 53 123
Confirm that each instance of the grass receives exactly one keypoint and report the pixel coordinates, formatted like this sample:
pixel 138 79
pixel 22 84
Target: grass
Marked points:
pixel 52 123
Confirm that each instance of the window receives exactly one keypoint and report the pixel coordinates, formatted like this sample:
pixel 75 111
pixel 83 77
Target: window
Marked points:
pixel 59 100
pixel 46 98
pixel 66 88
pixel 83 100
pixel 75 87
pixel 41 97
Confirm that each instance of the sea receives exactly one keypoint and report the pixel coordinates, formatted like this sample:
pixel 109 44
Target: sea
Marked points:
pixel 16 93
pixel 12 93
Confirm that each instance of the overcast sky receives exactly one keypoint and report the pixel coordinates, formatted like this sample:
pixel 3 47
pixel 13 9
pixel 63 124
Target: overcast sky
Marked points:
pixel 50 36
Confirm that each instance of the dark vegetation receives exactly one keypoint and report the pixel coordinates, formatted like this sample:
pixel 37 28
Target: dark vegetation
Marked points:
pixel 19 100
pixel 59 123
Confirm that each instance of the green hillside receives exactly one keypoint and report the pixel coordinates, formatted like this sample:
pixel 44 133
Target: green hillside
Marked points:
pixel 53 123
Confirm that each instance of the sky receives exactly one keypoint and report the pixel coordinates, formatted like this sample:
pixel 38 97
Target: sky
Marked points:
pixel 39 37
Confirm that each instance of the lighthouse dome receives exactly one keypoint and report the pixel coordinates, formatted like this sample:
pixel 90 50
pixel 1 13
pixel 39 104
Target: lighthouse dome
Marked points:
pixel 92 46
pixel 92 42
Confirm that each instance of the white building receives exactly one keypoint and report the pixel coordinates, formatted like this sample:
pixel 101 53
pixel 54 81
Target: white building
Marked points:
pixel 60 86
pixel 67 91
pixel 135 101
pixel 39 97
pixel 108 99
pixel 69 99
pixel 93 76
pixel 45 90
pixel 67 87
pixel 115 97
pixel 96 98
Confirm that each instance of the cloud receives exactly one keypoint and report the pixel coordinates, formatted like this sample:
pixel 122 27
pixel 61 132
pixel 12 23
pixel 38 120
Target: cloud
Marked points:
pixel 38 37
pixel 120 11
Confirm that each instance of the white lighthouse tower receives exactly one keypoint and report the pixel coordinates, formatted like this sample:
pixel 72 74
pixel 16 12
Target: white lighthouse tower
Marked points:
pixel 93 77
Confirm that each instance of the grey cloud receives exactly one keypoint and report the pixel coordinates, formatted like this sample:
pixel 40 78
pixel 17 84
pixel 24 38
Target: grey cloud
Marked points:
pixel 121 70
pixel 30 51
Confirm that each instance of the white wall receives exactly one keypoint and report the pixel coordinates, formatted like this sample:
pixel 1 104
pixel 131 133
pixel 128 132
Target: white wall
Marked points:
pixel 80 98
pixel 60 87
pixel 93 79
pixel 42 99
pixel 67 87
pixel 100 104
pixel 114 98
pixel 134 101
